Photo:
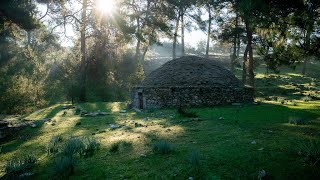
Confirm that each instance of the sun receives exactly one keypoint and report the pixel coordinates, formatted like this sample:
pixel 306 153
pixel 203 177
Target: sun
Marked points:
pixel 106 6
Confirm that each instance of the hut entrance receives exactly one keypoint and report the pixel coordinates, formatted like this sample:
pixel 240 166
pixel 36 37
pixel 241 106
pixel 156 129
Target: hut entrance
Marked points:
pixel 140 97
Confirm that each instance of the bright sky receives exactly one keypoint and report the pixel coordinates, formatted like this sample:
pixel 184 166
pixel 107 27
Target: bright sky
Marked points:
pixel 191 38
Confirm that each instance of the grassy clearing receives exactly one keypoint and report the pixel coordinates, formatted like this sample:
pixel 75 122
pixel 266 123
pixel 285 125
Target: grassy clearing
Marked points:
pixel 231 142
pixel 279 137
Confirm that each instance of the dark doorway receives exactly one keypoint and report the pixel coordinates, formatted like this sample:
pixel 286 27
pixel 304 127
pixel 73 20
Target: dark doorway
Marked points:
pixel 140 96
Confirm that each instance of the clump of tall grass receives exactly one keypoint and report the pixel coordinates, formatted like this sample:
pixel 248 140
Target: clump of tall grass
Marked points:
pixel 311 152
pixel 296 120
pixel 53 145
pixel 194 160
pixel 90 146
pixel 73 146
pixel 120 145
pixel 64 166
pixel 162 147
pixel 188 114
pixel 19 165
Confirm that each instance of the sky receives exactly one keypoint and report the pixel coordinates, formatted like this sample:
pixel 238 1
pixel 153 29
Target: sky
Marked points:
pixel 192 38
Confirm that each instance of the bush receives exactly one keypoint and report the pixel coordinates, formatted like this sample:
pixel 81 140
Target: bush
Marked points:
pixel 296 120
pixel 195 160
pixel 306 98
pixel 184 113
pixel 90 147
pixel 53 144
pixel 17 166
pixel 115 147
pixel 311 152
pixel 162 147
pixel 120 145
pixel 73 146
pixel 64 167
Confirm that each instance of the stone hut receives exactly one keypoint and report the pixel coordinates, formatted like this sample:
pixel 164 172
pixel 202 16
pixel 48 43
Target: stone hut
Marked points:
pixel 190 81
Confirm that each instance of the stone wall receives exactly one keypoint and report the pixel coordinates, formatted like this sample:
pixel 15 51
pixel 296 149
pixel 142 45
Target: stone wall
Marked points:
pixel 158 97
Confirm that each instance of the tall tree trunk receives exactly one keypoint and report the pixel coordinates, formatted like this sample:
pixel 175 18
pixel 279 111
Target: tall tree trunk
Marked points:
pixel 234 53
pixel 244 66
pixel 209 32
pixel 83 66
pixel 307 48
pixel 250 66
pixel 182 33
pixel 137 55
pixel 174 46
pixel 238 36
pixel 28 38
pixel 145 50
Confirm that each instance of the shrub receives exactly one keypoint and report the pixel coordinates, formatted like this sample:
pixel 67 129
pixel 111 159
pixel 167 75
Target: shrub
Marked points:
pixel 90 147
pixel 306 98
pixel 311 152
pixel 73 146
pixel 115 147
pixel 120 145
pixel 162 147
pixel 296 120
pixel 17 166
pixel 195 160
pixel 53 144
pixel 184 113
pixel 64 167
pixel 77 111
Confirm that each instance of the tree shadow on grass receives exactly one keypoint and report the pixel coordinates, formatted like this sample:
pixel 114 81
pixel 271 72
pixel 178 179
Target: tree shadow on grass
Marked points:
pixel 226 142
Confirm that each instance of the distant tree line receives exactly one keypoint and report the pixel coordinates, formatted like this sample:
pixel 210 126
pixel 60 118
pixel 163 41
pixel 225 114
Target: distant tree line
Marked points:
pixel 109 50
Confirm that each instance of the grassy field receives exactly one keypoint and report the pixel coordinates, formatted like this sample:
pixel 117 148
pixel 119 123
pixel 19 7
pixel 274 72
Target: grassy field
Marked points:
pixel 278 135
pixel 232 142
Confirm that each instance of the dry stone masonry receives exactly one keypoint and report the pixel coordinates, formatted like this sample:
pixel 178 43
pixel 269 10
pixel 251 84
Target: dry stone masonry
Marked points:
pixel 190 81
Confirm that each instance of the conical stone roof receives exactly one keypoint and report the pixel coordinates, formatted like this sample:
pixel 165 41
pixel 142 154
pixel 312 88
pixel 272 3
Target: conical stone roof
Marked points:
pixel 192 71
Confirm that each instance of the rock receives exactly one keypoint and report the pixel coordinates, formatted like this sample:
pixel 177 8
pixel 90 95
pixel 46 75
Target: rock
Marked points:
pixel 190 178
pixel 114 126
pixel 143 155
pixel 253 142
pixel 137 110
pixel 262 174
pixel 236 104
pixel 221 118
pixel 137 125
pixel 103 113
pixel 25 175
pixel 101 131
pixel 3 124
pixel 33 125
pixel 123 111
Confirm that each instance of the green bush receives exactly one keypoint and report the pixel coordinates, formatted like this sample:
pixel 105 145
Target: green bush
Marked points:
pixel 64 167
pixel 121 146
pixel 296 120
pixel 306 98
pixel 53 144
pixel 73 146
pixel 311 152
pixel 195 160
pixel 90 147
pixel 184 113
pixel 17 166
pixel 162 147
pixel 115 147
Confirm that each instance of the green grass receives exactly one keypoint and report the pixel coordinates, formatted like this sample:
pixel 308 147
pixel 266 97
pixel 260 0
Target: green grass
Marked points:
pixel 226 145
pixel 231 142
